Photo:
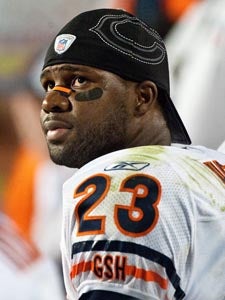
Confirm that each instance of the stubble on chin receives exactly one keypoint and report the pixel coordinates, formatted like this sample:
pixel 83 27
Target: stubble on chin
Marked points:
pixel 92 141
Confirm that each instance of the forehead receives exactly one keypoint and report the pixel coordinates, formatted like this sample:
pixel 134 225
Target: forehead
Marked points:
pixel 61 69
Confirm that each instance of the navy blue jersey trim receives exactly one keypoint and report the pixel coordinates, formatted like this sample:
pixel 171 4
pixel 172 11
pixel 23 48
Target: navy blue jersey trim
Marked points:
pixel 103 295
pixel 133 248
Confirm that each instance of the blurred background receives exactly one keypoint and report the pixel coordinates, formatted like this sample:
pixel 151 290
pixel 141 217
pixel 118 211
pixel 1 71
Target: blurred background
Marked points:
pixel 30 184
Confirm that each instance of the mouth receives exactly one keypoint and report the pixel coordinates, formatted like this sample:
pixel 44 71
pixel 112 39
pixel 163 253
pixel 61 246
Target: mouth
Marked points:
pixel 56 131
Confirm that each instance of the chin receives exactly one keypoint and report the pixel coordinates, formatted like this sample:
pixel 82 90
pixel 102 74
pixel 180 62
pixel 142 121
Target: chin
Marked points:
pixel 64 158
pixel 56 154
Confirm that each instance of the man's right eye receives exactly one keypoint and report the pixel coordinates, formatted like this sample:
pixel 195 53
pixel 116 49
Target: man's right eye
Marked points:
pixel 49 85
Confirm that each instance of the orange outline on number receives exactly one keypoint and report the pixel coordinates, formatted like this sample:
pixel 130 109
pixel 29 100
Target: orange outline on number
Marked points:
pixel 129 207
pixel 86 216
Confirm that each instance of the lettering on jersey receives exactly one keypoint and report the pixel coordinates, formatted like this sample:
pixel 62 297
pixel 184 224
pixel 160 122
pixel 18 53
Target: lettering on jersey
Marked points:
pixel 125 165
pixel 217 168
pixel 100 262
pixel 110 267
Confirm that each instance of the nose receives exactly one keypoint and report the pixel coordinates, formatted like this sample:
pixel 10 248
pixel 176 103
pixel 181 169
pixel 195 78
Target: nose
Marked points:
pixel 57 100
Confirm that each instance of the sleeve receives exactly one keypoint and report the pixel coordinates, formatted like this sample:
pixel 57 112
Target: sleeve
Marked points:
pixel 103 295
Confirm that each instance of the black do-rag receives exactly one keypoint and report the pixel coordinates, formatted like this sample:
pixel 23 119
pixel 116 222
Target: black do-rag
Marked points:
pixel 118 42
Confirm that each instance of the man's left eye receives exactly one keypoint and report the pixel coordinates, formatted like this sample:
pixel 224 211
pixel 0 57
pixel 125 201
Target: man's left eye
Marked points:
pixel 78 82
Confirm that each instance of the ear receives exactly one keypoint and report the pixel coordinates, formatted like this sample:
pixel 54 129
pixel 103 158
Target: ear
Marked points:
pixel 147 94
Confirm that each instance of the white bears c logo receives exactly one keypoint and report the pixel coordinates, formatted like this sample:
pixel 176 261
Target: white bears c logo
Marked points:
pixel 114 30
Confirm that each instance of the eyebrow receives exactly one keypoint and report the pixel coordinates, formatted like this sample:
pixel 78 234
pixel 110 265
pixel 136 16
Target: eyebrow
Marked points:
pixel 63 68
pixel 44 73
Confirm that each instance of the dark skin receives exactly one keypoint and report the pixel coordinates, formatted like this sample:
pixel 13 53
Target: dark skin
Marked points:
pixel 101 114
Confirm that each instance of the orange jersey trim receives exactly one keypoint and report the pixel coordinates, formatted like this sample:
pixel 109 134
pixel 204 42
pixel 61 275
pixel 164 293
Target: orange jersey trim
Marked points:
pixel 217 168
pixel 80 268
pixel 146 275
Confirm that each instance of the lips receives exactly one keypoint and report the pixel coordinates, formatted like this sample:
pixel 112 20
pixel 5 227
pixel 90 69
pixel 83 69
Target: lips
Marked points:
pixel 56 130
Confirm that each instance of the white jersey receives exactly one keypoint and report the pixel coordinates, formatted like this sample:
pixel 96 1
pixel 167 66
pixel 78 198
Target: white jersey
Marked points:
pixel 147 223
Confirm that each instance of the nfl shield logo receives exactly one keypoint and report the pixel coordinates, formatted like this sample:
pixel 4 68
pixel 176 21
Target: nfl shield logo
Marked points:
pixel 63 42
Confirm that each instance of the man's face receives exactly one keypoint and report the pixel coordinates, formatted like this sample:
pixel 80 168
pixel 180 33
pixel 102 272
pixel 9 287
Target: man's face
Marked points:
pixel 90 122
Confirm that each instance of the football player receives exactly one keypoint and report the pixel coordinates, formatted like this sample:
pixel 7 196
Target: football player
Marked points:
pixel 144 216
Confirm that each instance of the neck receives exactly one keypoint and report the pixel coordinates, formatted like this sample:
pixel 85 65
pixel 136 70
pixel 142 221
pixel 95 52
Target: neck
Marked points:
pixel 152 131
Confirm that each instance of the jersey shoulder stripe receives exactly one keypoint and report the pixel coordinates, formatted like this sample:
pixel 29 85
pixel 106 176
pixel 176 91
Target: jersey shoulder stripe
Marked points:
pixel 134 249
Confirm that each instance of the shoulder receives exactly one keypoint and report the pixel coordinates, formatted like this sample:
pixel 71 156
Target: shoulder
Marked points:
pixel 180 160
pixel 182 173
